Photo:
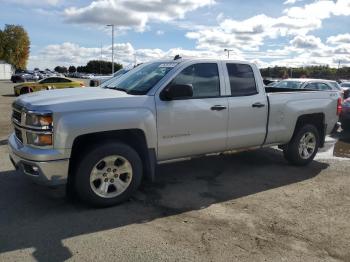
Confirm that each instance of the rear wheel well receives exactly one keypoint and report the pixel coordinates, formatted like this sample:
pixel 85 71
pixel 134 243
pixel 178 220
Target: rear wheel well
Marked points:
pixel 316 120
pixel 25 90
pixel 135 138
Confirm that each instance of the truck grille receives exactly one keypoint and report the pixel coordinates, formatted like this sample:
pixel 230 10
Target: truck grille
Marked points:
pixel 17 116
pixel 19 134
pixel 17 112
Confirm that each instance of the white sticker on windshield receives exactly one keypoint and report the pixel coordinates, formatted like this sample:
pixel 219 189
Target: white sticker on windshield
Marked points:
pixel 168 65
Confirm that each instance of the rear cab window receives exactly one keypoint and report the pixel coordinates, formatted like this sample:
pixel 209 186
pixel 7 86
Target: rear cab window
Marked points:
pixel 242 80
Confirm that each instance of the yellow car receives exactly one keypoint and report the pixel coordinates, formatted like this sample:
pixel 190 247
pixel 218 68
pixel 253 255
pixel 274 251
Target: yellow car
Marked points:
pixel 46 84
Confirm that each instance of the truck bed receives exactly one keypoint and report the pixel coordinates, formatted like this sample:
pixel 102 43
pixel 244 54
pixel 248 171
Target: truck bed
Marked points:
pixel 286 104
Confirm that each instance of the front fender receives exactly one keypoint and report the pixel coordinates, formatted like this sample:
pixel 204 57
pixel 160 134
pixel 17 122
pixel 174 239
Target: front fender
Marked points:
pixel 71 125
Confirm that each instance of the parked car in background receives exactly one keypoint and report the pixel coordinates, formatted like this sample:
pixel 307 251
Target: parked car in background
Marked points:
pixel 310 84
pixel 87 76
pixel 345 115
pixel 17 78
pixel 99 80
pixel 24 76
pixel 105 140
pixel 46 84
pixel 270 82
pixel 345 86
pixel 273 83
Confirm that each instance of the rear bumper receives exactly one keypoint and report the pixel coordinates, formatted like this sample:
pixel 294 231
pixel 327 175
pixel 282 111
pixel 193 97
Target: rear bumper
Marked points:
pixel 49 173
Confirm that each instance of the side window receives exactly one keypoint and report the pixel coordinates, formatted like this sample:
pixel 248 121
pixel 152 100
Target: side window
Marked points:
pixel 242 80
pixel 312 86
pixel 47 80
pixel 63 80
pixel 204 78
pixel 322 86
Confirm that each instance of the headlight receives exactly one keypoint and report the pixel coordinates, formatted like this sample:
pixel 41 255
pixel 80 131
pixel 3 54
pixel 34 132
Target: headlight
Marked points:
pixel 38 139
pixel 39 120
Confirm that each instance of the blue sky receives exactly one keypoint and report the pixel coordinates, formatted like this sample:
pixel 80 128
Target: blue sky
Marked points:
pixel 291 32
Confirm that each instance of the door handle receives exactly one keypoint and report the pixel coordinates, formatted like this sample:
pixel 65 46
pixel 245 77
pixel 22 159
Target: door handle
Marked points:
pixel 218 108
pixel 258 105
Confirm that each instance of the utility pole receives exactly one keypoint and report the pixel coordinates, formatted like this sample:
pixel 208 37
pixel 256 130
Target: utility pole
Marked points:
pixel 112 25
pixel 228 52
pixel 100 58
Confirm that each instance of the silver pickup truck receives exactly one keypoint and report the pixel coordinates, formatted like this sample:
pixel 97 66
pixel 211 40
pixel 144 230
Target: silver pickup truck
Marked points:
pixel 102 141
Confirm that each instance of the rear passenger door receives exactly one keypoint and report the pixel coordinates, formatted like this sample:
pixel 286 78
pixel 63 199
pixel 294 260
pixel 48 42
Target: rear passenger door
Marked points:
pixel 248 107
pixel 196 125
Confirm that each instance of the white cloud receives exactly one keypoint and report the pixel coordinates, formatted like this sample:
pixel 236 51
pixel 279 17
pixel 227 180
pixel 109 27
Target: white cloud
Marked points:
pixel 339 39
pixel 67 54
pixel 247 36
pixel 291 2
pixel 306 42
pixel 302 51
pixel 244 37
pixel 129 13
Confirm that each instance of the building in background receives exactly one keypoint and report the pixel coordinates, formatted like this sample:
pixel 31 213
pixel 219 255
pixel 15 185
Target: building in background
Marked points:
pixel 6 70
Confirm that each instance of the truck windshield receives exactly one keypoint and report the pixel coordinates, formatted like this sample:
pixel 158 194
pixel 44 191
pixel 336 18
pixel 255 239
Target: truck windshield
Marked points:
pixel 139 82
pixel 116 75
pixel 289 84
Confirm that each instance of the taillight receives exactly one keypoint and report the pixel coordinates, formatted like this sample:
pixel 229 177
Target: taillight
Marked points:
pixel 339 106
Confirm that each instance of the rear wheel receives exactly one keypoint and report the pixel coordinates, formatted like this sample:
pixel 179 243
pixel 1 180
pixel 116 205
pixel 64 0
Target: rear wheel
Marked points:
pixel 301 150
pixel 108 174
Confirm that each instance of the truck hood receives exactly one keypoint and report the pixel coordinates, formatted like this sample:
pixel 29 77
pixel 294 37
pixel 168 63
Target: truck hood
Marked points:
pixel 78 99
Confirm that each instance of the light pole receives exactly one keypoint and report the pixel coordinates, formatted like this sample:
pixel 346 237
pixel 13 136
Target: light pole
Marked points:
pixel 112 25
pixel 228 52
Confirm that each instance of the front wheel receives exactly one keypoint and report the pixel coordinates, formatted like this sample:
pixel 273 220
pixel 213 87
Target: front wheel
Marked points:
pixel 301 150
pixel 108 175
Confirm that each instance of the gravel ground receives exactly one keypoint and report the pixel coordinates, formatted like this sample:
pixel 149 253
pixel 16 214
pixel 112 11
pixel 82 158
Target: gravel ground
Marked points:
pixel 251 206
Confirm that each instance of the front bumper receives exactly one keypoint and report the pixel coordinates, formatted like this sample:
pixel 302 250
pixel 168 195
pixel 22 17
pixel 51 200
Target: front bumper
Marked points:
pixel 50 172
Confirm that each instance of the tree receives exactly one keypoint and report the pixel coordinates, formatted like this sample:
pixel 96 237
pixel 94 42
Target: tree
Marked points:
pixel 14 46
pixel 61 69
pixel 72 69
pixel 324 72
pixel 99 66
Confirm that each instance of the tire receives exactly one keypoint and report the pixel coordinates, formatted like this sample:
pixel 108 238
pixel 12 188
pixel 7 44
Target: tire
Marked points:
pixel 301 157
pixel 93 189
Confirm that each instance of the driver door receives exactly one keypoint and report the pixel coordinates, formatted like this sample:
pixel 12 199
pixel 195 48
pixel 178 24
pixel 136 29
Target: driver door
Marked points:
pixel 195 125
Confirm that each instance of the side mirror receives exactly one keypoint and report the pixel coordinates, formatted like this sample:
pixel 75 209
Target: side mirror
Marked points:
pixel 172 92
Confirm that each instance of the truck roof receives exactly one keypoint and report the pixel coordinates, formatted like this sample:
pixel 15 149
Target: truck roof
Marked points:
pixel 181 60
